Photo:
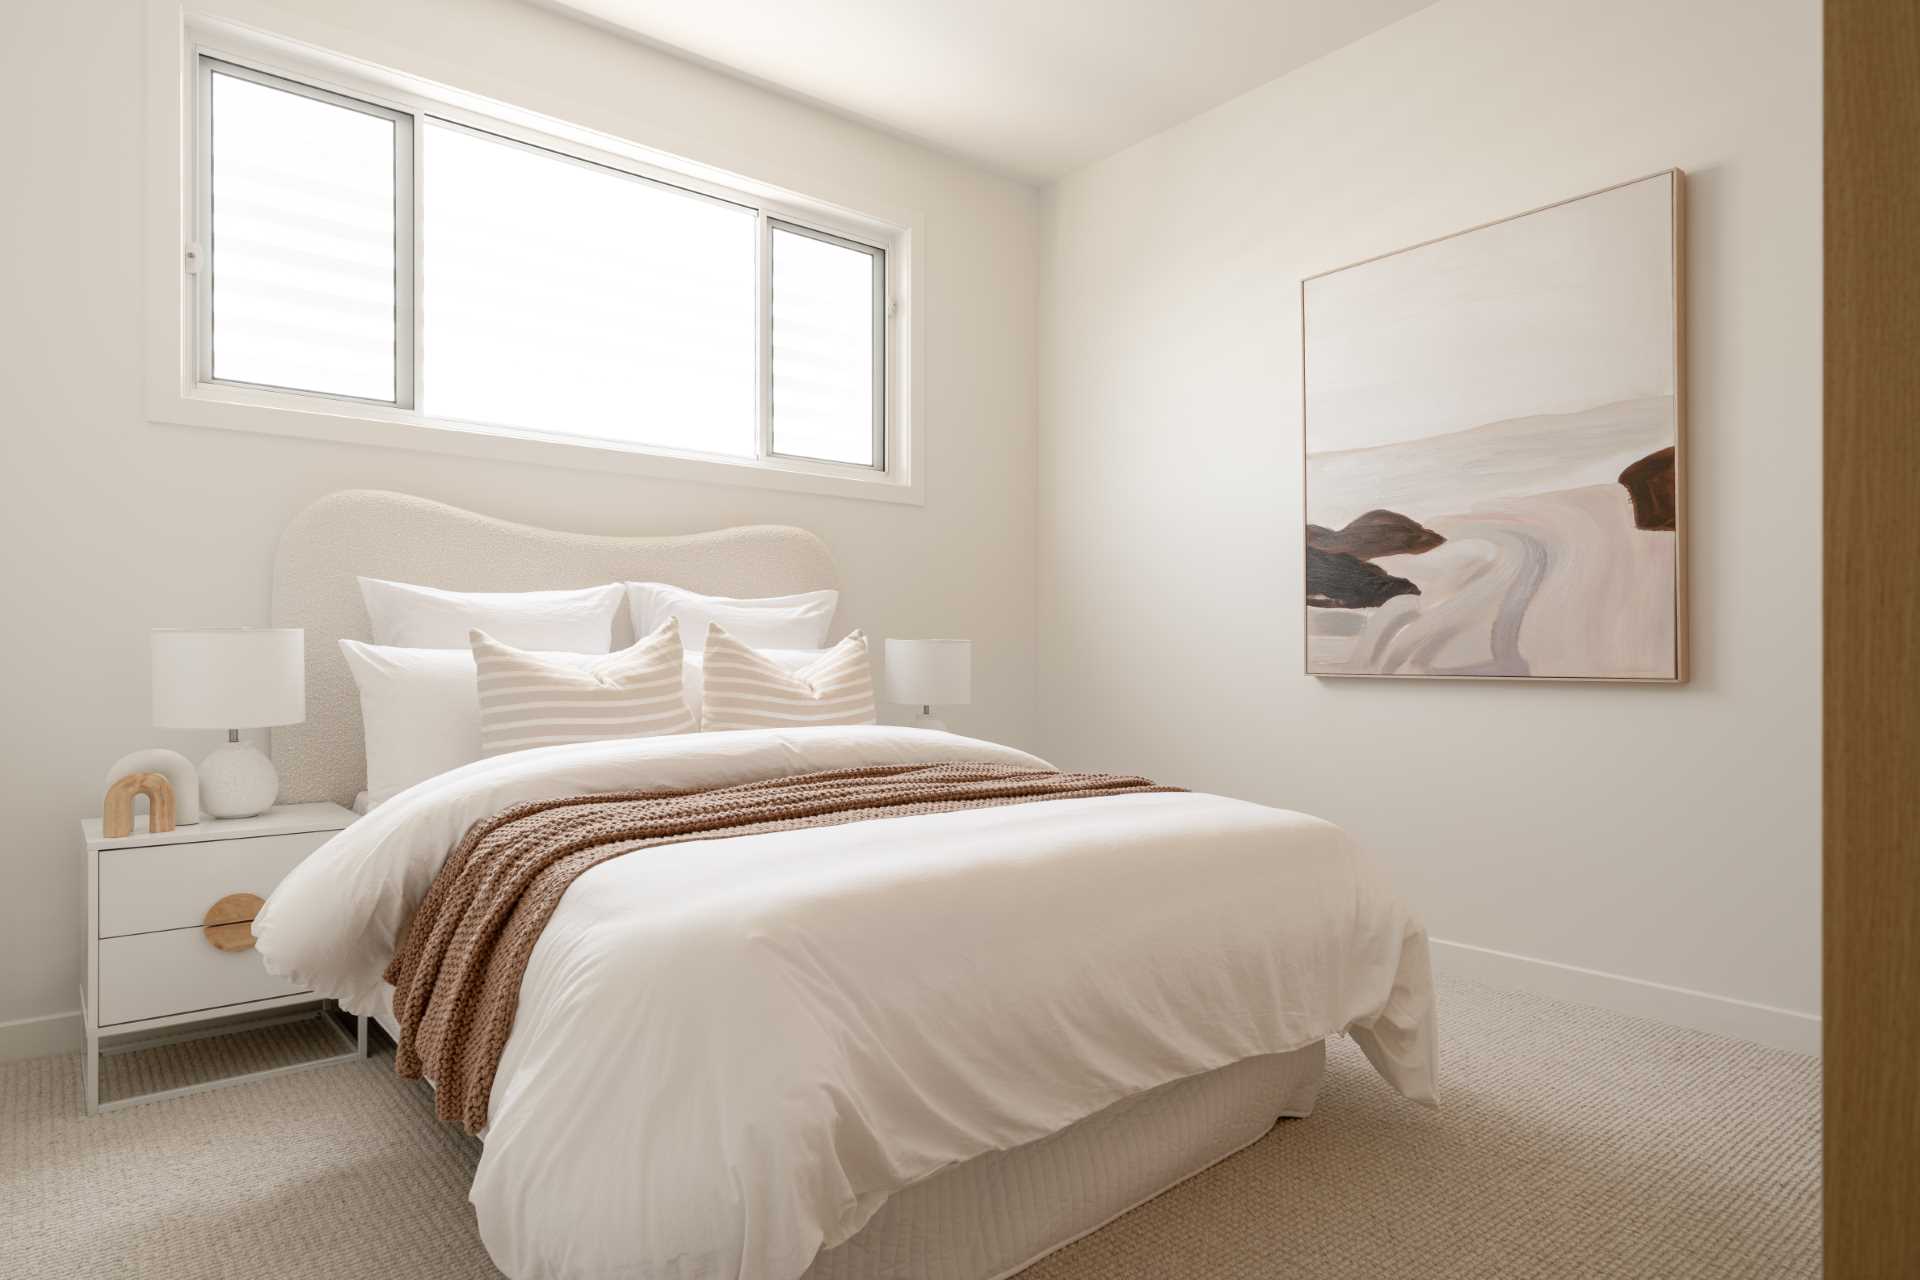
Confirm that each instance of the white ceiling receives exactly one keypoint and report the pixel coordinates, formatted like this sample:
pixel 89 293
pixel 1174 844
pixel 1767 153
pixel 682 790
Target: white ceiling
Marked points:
pixel 1033 88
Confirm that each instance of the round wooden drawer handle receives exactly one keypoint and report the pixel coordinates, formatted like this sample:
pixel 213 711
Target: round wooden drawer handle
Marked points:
pixel 229 922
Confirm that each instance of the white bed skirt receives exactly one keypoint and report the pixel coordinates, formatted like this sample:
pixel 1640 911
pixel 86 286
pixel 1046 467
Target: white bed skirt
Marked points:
pixel 1000 1212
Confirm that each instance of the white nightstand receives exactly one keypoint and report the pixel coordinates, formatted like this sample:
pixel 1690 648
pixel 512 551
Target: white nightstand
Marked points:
pixel 153 969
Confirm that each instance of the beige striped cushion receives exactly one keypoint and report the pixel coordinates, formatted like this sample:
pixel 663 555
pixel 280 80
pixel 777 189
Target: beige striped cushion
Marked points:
pixel 529 700
pixel 742 689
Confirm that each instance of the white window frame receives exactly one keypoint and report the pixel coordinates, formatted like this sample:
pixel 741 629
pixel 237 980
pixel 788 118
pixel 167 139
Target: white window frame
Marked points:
pixel 767 439
pixel 201 254
pixel 182 390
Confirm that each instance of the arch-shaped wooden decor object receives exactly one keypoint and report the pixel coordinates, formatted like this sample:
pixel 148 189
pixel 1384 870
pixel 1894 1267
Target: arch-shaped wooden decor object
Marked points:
pixel 228 923
pixel 116 816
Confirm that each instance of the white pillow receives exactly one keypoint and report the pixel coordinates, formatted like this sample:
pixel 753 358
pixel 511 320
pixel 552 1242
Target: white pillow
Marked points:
pixel 742 689
pixel 770 622
pixel 420 712
pixel 411 617
pixel 531 700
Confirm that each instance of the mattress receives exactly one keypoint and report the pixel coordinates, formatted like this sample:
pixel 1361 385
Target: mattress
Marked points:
pixel 995 1214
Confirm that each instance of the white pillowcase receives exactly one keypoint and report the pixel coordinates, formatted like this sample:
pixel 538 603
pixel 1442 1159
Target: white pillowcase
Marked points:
pixel 410 617
pixel 769 622
pixel 420 711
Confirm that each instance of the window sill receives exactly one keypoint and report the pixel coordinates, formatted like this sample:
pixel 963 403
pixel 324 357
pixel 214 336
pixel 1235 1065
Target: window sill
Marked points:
pixel 271 413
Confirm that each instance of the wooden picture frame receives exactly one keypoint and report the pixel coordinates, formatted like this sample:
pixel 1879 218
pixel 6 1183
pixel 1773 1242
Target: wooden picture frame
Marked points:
pixel 1416 639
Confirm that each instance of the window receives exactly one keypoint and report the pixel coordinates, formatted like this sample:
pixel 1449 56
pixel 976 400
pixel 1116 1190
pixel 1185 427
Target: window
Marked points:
pixel 829 296
pixel 302 215
pixel 574 298
pixel 417 263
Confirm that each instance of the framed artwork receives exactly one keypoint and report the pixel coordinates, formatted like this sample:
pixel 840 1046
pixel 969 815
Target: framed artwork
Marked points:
pixel 1494 449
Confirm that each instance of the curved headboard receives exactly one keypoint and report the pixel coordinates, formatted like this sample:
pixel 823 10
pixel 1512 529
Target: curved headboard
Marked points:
pixel 392 535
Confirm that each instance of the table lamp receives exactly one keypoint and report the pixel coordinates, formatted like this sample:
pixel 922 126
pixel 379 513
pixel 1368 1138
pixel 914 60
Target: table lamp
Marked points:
pixel 930 673
pixel 233 679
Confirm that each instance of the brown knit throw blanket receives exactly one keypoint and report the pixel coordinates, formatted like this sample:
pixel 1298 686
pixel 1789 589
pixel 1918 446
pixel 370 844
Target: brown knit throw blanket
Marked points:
pixel 457 973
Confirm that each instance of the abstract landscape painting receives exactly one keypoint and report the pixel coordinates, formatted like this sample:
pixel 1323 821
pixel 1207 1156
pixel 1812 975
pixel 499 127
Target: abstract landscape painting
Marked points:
pixel 1493 449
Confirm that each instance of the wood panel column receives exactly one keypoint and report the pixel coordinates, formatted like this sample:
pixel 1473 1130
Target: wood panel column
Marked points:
pixel 1871 819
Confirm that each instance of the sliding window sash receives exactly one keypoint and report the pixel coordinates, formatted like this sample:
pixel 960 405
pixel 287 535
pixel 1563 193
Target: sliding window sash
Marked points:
pixel 881 321
pixel 202 260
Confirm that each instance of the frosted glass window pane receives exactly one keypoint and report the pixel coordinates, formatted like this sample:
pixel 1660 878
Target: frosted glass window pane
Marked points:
pixel 823 349
pixel 302 244
pixel 573 299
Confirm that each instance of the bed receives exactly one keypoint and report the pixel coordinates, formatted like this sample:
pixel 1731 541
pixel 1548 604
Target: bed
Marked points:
pixel 937 1046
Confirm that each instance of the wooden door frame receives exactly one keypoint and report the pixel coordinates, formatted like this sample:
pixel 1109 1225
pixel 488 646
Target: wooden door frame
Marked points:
pixel 1871 698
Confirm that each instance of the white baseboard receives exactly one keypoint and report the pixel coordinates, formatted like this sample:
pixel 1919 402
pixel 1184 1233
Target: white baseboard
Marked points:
pixel 1676 1006
pixel 38 1037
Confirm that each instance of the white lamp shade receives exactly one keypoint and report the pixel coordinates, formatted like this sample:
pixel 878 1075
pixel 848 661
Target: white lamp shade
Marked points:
pixel 930 673
pixel 239 678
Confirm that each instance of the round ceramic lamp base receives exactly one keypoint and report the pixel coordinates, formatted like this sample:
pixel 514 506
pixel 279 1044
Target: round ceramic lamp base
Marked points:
pixel 927 720
pixel 237 781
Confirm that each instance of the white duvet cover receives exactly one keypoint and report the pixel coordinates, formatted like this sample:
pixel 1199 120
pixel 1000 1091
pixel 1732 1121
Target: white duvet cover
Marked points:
pixel 729 1053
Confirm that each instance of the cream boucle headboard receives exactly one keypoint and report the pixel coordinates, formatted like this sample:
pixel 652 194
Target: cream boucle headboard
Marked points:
pixel 391 535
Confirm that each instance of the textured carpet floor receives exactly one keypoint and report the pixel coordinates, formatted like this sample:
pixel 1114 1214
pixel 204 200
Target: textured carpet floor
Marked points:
pixel 1572 1143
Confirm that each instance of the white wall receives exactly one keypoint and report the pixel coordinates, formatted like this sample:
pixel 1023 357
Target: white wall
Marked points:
pixel 1664 835
pixel 115 525
pixel 1668 836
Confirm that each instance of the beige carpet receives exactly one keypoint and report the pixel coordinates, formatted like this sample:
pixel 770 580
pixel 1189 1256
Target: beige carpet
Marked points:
pixel 1573 1143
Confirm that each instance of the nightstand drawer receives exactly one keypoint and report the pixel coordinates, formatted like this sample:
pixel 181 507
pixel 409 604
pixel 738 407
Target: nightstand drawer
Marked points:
pixel 171 886
pixel 153 975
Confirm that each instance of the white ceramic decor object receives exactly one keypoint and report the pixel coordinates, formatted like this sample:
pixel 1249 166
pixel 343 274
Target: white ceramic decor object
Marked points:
pixel 237 781
pixel 931 673
pixel 233 679
pixel 175 768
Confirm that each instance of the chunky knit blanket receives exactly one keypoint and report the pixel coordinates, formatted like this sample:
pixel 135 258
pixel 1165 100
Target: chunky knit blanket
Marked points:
pixel 457 973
